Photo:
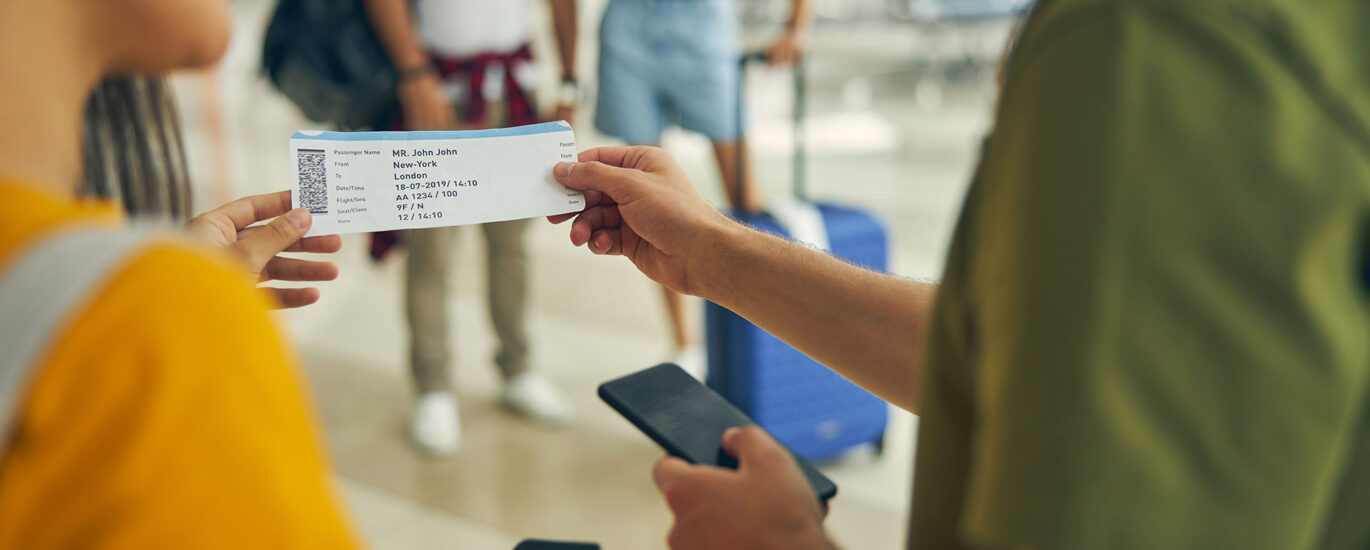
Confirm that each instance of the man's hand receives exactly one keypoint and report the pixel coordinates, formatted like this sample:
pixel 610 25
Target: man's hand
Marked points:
pixel 424 102
pixel 765 503
pixel 566 112
pixel 640 204
pixel 786 50
pixel 789 47
pixel 257 246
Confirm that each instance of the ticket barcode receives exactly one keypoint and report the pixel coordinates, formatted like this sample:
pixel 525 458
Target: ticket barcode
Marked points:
pixel 313 181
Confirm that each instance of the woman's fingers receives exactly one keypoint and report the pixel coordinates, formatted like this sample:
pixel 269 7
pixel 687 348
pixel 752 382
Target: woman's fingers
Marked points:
pixel 289 298
pixel 261 246
pixel 249 210
pixel 321 244
pixel 295 269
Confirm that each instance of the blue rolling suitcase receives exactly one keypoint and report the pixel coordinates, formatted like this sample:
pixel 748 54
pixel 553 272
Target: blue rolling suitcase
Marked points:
pixel 808 407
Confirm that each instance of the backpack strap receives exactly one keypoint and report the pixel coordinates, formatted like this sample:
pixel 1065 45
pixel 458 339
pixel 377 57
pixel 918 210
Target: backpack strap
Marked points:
pixel 40 295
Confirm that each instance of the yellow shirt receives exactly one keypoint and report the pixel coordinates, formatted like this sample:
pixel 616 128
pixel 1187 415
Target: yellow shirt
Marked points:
pixel 168 414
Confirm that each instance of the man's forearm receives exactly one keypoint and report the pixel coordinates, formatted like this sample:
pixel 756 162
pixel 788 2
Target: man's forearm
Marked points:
pixel 565 26
pixel 395 27
pixel 865 325
pixel 801 11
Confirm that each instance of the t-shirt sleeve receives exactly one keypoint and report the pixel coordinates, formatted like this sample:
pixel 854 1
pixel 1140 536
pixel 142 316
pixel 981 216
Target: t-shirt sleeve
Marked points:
pixel 171 416
pixel 1170 324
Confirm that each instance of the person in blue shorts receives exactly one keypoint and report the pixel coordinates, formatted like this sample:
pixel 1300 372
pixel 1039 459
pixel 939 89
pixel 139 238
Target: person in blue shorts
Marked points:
pixel 675 63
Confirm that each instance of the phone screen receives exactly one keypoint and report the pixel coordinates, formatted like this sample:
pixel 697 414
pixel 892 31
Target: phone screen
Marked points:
pixel 688 419
pixel 535 544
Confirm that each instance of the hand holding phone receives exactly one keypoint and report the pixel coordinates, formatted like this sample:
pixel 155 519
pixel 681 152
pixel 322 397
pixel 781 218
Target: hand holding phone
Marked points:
pixel 688 419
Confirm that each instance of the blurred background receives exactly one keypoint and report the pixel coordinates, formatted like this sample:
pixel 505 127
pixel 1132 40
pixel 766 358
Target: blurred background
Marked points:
pixel 900 94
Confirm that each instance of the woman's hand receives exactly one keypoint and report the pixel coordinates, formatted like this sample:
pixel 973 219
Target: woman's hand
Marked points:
pixel 230 226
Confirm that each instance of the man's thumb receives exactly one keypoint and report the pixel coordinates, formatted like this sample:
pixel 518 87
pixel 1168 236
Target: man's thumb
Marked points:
pixel 753 447
pixel 596 176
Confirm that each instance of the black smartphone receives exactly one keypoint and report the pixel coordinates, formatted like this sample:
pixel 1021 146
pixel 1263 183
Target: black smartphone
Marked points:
pixel 535 544
pixel 688 419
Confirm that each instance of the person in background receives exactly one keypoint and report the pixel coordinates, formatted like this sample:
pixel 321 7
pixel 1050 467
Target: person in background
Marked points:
pixel 147 399
pixel 664 63
pixel 458 60
pixel 1152 328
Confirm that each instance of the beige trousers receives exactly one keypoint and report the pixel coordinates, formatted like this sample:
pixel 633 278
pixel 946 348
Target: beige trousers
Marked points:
pixel 426 281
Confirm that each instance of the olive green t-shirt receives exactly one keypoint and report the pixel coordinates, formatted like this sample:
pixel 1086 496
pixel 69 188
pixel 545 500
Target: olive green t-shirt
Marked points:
pixel 1154 327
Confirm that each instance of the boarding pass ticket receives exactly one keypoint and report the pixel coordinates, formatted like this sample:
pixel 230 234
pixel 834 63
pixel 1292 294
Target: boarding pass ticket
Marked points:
pixel 377 181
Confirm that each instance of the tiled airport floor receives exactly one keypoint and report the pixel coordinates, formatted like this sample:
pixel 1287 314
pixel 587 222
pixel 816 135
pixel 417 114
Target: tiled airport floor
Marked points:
pixel 879 139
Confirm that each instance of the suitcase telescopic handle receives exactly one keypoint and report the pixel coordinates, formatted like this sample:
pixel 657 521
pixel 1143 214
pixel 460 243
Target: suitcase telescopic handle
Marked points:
pixel 800 187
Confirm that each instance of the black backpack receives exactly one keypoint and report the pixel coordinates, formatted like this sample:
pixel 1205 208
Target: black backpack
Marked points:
pixel 325 57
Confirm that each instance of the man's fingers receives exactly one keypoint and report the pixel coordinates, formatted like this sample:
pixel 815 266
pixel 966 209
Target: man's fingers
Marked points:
pixel 289 298
pixel 595 198
pixel 439 115
pixel 261 246
pixel 295 269
pixel 782 54
pixel 592 199
pixel 446 119
pixel 561 218
pixel 608 242
pixel 774 56
pixel 753 447
pixel 683 484
pixel 601 216
pixel 593 219
pixel 668 471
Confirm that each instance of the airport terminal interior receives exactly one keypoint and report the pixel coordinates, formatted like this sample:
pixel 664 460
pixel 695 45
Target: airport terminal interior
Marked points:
pixel 896 104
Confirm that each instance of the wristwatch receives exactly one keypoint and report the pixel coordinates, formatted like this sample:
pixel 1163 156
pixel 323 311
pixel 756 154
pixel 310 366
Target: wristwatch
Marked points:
pixel 569 92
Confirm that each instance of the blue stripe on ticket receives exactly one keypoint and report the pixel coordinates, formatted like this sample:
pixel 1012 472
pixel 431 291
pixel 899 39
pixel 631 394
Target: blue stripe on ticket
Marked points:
pixel 531 129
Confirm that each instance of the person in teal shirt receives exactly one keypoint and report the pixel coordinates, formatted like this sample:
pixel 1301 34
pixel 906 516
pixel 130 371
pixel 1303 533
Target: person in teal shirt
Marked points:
pixel 1153 331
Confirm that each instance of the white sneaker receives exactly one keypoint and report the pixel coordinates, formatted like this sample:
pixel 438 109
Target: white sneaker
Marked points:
pixel 532 395
pixel 436 424
pixel 693 360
